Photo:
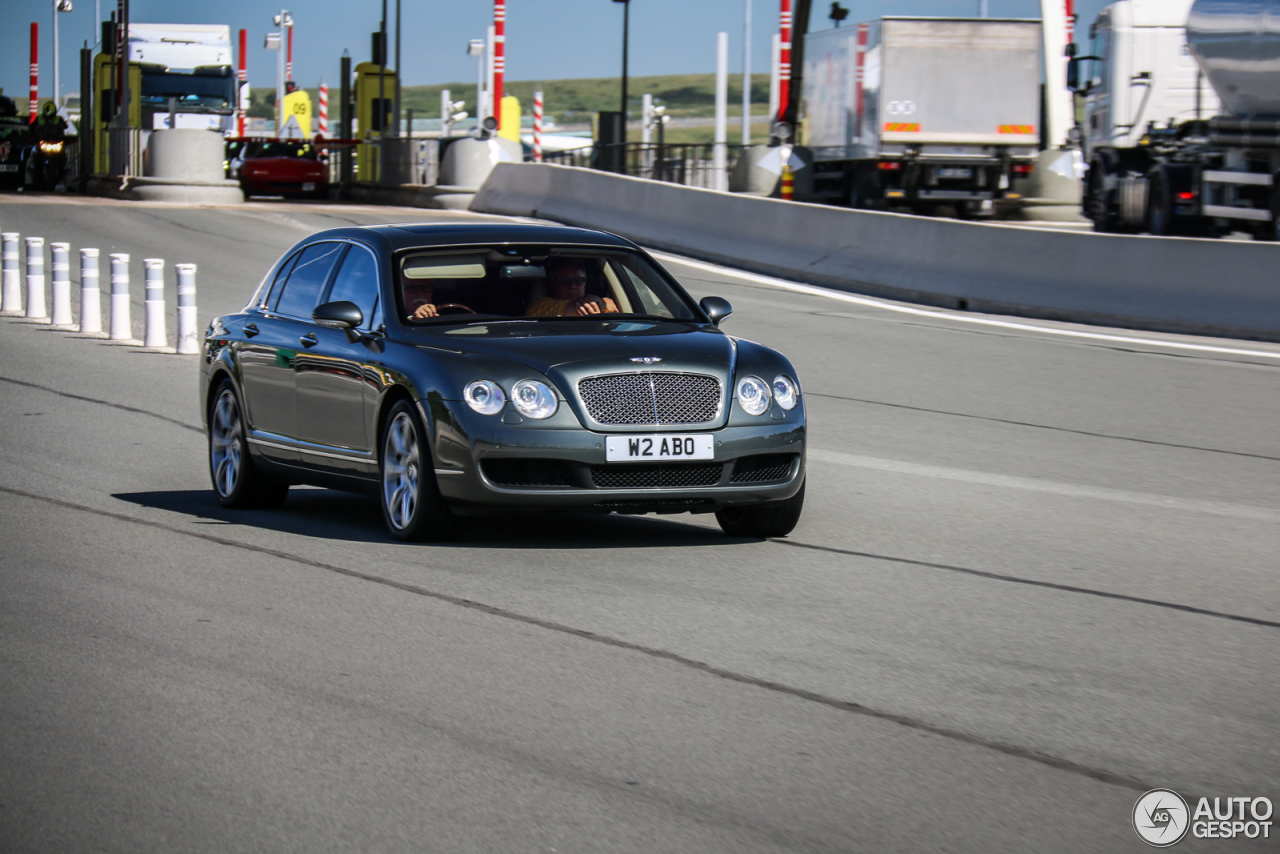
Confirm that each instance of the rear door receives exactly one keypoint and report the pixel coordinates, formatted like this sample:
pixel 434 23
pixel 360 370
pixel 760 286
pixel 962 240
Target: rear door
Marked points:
pixel 334 402
pixel 267 358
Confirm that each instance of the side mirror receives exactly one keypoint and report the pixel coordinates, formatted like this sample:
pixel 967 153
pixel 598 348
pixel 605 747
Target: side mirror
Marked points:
pixel 338 315
pixel 716 308
pixel 1073 74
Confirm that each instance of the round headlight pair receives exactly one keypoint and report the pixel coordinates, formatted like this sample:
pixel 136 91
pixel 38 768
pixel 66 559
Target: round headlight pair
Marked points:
pixel 754 394
pixel 532 398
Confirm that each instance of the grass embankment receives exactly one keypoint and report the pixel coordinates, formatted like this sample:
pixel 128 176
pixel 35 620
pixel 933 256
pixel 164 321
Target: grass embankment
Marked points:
pixel 575 101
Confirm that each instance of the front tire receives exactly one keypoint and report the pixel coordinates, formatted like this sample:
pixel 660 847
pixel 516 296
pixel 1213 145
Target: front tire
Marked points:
pixel 236 480
pixel 412 505
pixel 775 519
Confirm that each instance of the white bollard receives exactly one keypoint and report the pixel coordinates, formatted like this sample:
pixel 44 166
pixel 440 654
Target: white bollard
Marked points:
pixel 188 338
pixel 60 258
pixel 121 323
pixel 90 294
pixel 35 279
pixel 156 334
pixel 11 298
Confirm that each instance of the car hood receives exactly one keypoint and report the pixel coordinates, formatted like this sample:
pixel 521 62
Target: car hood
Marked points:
pixel 567 352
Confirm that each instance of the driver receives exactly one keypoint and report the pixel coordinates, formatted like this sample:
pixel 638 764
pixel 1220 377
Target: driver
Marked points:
pixel 418 299
pixel 567 278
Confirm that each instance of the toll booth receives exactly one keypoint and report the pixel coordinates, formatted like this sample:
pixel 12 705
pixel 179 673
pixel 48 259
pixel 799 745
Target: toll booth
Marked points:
pixel 105 72
pixel 374 105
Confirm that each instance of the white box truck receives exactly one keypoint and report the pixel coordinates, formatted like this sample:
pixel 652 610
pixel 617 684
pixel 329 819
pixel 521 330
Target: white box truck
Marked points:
pixel 922 112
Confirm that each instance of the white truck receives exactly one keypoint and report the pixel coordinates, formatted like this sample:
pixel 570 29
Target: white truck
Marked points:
pixel 922 112
pixel 187 76
pixel 1182 117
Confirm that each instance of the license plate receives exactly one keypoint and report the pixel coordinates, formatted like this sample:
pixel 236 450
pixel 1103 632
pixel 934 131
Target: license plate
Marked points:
pixel 8 167
pixel 660 447
pixel 308 186
pixel 955 172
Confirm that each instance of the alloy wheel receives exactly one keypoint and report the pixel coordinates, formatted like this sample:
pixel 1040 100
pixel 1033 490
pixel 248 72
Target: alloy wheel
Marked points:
pixel 225 450
pixel 400 471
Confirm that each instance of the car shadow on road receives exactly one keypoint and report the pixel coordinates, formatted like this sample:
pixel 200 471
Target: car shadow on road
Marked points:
pixel 329 514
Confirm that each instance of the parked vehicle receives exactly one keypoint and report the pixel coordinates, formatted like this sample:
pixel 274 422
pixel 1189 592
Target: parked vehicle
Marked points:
pixel 922 112
pixel 278 168
pixel 14 131
pixel 336 373
pixel 1182 118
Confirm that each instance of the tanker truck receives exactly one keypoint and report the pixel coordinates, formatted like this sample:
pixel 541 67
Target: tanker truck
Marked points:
pixel 1182 118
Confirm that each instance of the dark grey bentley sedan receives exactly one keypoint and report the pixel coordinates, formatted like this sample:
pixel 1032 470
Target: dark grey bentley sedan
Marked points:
pixel 459 369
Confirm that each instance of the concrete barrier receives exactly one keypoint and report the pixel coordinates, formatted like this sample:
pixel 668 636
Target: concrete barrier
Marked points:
pixel 1159 283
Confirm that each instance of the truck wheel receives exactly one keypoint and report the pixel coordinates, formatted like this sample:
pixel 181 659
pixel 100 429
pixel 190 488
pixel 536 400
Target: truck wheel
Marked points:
pixel 1097 201
pixel 1159 203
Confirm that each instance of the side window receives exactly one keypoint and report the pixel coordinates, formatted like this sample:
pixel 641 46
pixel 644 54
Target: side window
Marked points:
pixel 273 293
pixel 302 290
pixel 357 281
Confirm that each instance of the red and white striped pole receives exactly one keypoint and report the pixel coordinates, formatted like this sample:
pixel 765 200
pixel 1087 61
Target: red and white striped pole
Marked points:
pixel 537 127
pixel 324 108
pixel 1071 21
pixel 288 63
pixel 34 96
pixel 499 55
pixel 784 58
pixel 243 77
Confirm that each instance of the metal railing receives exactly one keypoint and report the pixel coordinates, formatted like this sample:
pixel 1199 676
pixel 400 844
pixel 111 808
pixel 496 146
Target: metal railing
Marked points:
pixel 690 164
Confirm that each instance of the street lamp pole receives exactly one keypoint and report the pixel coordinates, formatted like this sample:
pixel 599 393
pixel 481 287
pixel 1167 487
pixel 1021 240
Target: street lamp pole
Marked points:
pixel 626 23
pixel 746 76
pixel 58 6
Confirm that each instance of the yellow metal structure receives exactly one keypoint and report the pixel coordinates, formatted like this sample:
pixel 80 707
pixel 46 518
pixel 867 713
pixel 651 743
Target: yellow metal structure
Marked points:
pixel 371 116
pixel 297 108
pixel 104 84
pixel 510 128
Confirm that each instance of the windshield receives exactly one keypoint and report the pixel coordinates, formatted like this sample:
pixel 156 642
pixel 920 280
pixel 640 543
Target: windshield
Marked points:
pixel 534 283
pixel 190 90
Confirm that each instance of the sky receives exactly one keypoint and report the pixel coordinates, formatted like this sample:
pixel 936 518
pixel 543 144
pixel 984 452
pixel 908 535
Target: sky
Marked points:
pixel 546 39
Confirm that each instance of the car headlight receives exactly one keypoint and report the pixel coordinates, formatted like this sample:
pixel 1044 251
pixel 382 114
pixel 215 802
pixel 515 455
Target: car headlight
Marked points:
pixel 484 397
pixel 753 395
pixel 534 399
pixel 50 147
pixel 785 391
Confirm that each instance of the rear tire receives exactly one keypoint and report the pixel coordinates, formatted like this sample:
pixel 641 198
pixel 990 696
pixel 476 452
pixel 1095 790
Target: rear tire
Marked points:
pixel 1160 221
pixel 775 519
pixel 1097 203
pixel 412 505
pixel 237 482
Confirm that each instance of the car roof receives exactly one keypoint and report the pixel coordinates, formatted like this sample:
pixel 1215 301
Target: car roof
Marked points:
pixel 412 235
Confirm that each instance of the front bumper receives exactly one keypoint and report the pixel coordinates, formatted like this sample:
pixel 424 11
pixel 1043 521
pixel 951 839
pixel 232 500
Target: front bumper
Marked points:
pixel 486 468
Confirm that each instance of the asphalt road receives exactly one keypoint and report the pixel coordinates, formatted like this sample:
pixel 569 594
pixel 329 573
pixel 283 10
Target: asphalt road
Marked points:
pixel 1036 576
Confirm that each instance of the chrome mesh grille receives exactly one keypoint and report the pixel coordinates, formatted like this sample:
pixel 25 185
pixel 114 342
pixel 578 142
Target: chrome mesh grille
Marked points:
pixel 651 398
pixel 647 476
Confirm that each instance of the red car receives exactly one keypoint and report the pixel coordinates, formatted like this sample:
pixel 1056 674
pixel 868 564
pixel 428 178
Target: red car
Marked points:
pixel 280 168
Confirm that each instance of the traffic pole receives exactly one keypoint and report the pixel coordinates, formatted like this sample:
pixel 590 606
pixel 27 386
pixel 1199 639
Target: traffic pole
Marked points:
pixel 324 109
pixel 90 293
pixel 288 63
pixel 243 76
pixel 11 291
pixel 121 322
pixel 60 265
pixel 784 59
pixel 188 340
pixel 537 127
pixel 156 334
pixel 499 55
pixel 35 279
pixel 788 182
pixel 33 106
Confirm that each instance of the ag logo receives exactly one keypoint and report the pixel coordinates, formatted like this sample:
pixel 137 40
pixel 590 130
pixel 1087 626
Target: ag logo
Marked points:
pixel 1161 817
pixel 648 360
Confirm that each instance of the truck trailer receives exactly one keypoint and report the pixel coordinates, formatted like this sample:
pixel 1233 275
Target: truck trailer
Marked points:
pixel 922 112
pixel 1182 118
